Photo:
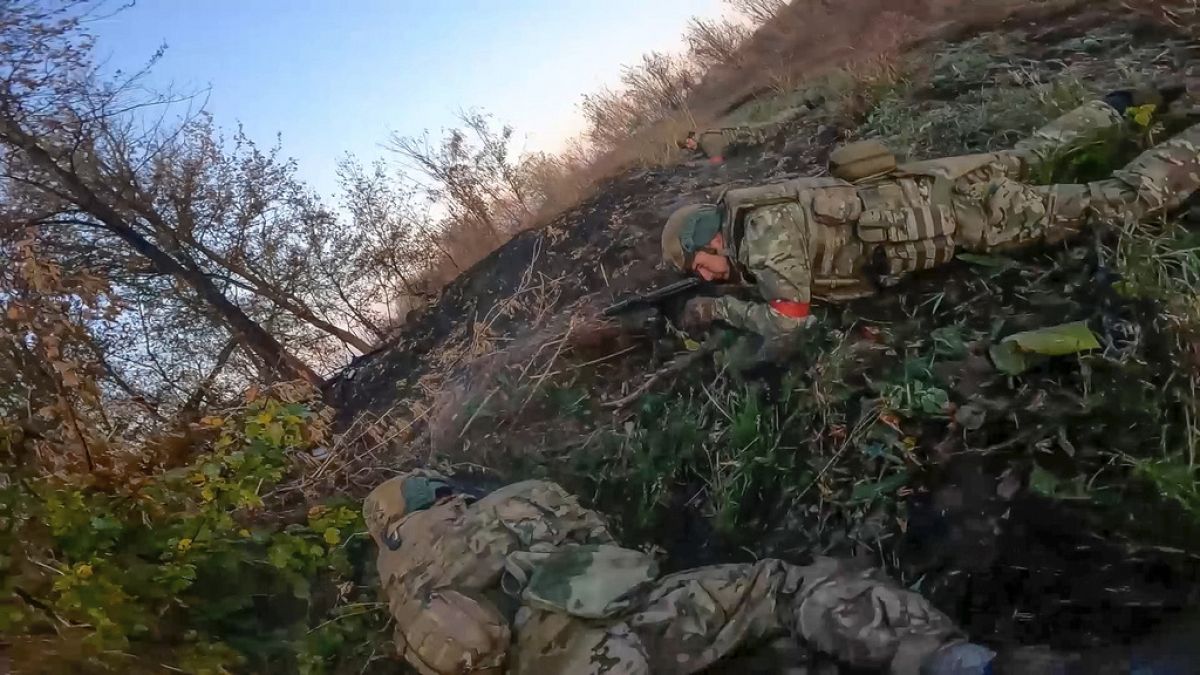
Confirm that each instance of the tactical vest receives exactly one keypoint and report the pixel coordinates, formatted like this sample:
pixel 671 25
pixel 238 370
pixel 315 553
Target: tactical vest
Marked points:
pixel 860 236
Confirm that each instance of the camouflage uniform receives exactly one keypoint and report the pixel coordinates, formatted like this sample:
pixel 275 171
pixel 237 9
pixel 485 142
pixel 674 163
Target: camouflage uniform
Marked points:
pixel 527 580
pixel 817 237
pixel 712 143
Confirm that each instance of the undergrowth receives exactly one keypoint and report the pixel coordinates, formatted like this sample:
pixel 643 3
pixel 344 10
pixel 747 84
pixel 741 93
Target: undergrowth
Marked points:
pixel 184 570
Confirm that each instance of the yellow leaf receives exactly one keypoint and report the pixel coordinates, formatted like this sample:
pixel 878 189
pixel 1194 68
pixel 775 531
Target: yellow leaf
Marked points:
pixel 184 544
pixel 207 494
pixel 275 432
pixel 264 418
pixel 1143 114
pixel 332 536
pixel 212 421
pixel 83 571
pixel 243 532
pixel 690 344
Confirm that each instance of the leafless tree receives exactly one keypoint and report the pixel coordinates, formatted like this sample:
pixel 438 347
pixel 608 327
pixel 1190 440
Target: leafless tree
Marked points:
pixel 759 12
pixel 715 42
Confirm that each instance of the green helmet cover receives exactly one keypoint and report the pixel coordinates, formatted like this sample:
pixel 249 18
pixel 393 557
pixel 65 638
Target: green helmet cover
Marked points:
pixel 699 229
pixel 420 492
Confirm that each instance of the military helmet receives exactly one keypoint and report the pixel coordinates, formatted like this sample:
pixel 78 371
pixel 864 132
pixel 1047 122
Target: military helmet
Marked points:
pixel 687 231
pixel 397 497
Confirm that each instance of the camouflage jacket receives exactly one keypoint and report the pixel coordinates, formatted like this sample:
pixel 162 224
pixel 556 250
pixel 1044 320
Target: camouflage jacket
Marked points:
pixel 827 239
pixel 443 576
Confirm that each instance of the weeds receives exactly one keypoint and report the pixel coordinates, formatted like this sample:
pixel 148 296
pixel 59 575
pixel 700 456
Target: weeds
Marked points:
pixel 980 121
pixel 1162 265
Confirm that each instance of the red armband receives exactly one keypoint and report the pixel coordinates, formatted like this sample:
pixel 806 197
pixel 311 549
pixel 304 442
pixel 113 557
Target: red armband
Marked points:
pixel 790 308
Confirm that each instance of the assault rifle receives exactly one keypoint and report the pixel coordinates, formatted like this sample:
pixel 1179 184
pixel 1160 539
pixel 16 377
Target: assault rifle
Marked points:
pixel 653 297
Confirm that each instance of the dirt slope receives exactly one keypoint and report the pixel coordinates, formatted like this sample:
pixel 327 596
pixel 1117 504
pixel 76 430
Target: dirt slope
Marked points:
pixel 1026 517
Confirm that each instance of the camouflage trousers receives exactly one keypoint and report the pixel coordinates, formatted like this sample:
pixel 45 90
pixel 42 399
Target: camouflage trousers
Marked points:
pixel 1005 214
pixel 688 621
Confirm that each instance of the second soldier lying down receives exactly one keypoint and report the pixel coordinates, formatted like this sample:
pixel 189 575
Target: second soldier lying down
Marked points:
pixel 527 581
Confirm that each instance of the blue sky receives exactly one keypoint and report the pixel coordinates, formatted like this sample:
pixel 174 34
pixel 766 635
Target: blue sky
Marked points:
pixel 337 77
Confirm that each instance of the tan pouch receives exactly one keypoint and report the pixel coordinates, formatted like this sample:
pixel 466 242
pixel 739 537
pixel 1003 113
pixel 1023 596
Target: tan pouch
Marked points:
pixel 861 160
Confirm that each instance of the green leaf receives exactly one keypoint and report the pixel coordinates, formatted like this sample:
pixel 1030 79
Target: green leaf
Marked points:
pixel 1043 482
pixel 934 400
pixel 864 492
pixel 948 342
pixel 295 410
pixel 274 432
pixel 300 587
pixel 1142 115
pixel 992 261
pixel 1067 338
pixel 1008 358
pixel 1012 355
pixel 332 536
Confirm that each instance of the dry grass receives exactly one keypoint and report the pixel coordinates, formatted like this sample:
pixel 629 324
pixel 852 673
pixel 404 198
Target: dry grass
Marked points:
pixel 1183 15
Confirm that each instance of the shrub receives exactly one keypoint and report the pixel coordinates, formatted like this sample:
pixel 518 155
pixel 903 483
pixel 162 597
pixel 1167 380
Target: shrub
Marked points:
pixel 183 570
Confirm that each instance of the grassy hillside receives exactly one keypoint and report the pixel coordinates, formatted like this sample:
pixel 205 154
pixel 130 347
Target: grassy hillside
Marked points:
pixel 1056 506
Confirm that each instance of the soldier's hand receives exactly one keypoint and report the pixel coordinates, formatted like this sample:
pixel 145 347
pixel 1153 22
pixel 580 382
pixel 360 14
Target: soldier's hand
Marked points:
pixel 699 313
pixel 646 321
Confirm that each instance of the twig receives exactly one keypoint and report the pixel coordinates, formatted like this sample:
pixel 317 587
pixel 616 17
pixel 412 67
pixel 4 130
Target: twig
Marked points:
pixel 862 424
pixel 716 405
pixel 478 410
pixel 679 364
pixel 593 362
pixel 333 454
pixel 553 359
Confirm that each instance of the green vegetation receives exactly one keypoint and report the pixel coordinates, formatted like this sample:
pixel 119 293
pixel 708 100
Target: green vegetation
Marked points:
pixel 856 423
pixel 186 569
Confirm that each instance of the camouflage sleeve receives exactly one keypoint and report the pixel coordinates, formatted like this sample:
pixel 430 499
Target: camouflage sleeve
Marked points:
pixel 758 317
pixel 541 512
pixel 865 619
pixel 776 255
pixel 1086 124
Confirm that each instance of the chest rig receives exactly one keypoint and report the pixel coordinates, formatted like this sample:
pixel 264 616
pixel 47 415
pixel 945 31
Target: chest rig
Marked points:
pixel 891 221
pixel 822 213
